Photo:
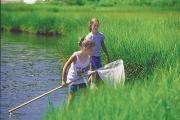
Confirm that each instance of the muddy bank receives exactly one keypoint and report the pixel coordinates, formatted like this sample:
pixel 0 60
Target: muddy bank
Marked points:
pixel 17 30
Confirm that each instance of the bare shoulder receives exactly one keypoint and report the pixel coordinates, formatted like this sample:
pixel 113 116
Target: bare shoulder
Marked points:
pixel 73 58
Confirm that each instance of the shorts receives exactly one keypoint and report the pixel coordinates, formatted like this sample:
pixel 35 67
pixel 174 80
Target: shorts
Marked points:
pixel 96 62
pixel 74 88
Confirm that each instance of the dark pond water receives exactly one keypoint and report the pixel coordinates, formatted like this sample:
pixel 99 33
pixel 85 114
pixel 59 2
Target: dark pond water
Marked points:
pixel 30 65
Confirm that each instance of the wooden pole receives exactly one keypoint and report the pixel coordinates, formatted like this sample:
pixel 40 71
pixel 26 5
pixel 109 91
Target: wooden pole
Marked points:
pixel 36 98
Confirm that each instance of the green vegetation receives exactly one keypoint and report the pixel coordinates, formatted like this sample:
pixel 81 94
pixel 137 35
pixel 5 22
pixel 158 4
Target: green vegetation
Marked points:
pixel 53 19
pixel 147 39
pixel 156 98
pixel 117 2
pixel 148 42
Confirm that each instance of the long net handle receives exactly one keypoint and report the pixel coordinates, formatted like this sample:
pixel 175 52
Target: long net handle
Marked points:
pixel 36 98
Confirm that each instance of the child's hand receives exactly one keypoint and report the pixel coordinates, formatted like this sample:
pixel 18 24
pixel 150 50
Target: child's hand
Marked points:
pixel 91 72
pixel 63 84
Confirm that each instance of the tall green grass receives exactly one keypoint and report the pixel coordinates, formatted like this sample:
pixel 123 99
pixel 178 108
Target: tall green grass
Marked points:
pixel 156 98
pixel 107 3
pixel 148 42
pixel 55 19
pixel 143 40
pixel 34 22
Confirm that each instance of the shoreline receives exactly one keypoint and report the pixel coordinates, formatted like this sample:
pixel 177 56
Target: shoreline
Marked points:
pixel 39 33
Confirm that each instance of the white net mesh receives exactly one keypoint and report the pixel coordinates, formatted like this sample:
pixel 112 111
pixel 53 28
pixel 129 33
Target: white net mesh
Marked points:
pixel 113 73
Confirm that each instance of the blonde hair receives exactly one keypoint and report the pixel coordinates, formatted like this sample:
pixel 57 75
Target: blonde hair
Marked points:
pixel 91 22
pixel 86 43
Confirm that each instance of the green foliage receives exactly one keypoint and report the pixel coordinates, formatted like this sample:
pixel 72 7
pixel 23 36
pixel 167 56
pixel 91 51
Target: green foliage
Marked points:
pixel 122 2
pixel 148 42
pixel 39 22
pixel 156 98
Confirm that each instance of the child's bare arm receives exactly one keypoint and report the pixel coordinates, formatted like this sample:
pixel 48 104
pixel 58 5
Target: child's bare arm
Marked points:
pixel 66 67
pixel 105 51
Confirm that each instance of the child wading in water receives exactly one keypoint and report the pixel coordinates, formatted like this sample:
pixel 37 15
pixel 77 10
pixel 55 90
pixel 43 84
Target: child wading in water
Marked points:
pixel 98 38
pixel 76 69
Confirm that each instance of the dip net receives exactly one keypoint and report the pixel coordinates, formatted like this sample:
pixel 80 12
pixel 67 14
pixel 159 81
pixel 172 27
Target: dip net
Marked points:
pixel 112 73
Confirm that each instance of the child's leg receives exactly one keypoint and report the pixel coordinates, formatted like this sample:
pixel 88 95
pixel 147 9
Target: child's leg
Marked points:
pixel 91 79
pixel 98 79
pixel 96 63
pixel 71 91
pixel 83 88
pixel 70 99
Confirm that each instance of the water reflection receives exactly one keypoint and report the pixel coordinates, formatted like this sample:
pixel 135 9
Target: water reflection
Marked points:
pixel 29 66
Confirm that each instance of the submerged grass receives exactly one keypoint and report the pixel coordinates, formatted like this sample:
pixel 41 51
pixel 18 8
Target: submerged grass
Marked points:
pixel 148 40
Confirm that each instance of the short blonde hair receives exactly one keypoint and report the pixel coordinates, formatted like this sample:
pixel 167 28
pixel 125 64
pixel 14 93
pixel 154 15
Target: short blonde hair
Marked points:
pixel 91 22
pixel 86 43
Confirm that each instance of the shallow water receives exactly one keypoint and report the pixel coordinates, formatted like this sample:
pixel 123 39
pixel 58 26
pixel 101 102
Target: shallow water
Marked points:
pixel 29 66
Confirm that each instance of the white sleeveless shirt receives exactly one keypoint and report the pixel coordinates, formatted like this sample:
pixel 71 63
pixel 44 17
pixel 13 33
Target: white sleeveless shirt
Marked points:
pixel 78 71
